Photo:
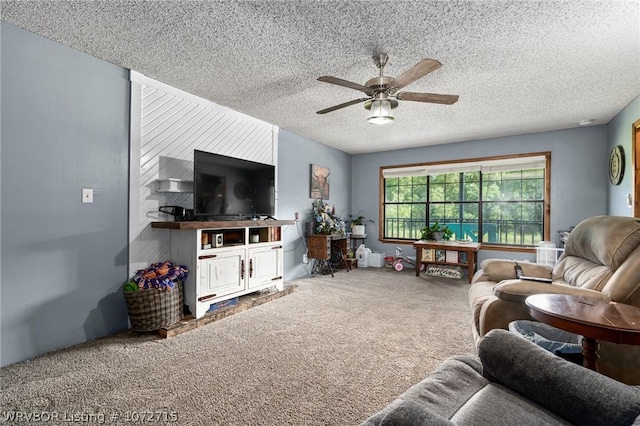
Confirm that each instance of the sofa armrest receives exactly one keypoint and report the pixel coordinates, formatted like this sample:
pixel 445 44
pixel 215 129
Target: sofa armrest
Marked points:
pixel 437 398
pixel 501 269
pixel 406 412
pixel 575 393
pixel 519 290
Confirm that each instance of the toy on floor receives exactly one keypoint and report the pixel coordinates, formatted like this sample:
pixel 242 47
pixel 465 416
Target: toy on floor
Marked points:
pixel 400 260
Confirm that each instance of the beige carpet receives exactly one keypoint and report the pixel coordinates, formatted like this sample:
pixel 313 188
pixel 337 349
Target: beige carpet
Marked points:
pixel 332 353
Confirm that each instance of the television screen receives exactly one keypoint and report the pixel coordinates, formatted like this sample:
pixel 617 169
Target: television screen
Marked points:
pixel 231 188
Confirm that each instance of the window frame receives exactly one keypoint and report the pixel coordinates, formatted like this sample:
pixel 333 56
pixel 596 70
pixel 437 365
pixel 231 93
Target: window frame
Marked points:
pixel 546 225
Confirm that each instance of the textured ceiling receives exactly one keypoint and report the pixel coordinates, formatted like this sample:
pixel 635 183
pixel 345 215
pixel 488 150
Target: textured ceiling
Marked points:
pixel 518 66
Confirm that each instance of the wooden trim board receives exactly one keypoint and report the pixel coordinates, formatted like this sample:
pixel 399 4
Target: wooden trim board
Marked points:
pixel 195 224
pixel 244 303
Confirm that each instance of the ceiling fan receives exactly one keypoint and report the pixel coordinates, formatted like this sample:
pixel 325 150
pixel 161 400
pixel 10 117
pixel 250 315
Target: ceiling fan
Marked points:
pixel 382 91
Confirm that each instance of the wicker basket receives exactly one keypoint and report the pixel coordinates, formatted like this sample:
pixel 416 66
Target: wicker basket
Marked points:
pixel 153 309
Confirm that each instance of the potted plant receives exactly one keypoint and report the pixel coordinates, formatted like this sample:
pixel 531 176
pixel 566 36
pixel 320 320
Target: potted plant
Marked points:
pixel 358 225
pixel 447 233
pixel 436 232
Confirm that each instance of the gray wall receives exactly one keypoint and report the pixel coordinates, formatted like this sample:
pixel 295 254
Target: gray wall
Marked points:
pixel 64 127
pixel 579 175
pixel 295 156
pixel 619 133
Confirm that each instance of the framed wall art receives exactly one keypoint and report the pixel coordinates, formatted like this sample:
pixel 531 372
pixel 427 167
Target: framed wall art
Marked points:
pixel 319 182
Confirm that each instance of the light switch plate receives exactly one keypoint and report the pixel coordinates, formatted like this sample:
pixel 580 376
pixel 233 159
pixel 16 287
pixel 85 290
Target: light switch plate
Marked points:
pixel 87 195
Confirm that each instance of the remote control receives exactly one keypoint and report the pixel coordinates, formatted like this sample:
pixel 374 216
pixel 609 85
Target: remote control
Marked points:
pixel 538 279
pixel 518 269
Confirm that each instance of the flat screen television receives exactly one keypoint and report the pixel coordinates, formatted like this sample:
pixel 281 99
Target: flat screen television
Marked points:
pixel 228 188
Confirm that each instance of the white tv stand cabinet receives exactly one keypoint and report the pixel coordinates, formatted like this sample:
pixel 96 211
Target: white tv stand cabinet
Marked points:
pixel 226 258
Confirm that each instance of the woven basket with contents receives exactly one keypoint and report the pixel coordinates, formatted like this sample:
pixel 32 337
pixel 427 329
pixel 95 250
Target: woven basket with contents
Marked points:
pixel 154 296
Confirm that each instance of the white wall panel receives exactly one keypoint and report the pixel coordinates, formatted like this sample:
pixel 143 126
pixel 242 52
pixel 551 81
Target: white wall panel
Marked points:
pixel 169 125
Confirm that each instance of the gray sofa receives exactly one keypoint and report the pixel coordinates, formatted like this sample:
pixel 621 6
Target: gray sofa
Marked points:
pixel 514 383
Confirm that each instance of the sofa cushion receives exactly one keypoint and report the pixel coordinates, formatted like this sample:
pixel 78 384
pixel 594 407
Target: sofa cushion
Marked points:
pixel 449 387
pixel 582 272
pixel 500 269
pixel 406 412
pixel 577 394
pixel 604 240
pixel 441 393
pixel 624 285
pixel 478 294
pixel 518 291
pixel 496 404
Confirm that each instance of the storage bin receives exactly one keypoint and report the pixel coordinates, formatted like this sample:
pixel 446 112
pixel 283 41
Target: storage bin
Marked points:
pixel 547 253
pixel 376 259
pixel 153 309
pixel 562 343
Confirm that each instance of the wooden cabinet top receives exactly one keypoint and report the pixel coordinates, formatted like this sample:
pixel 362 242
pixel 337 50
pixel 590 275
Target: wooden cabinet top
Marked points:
pixel 221 224
pixel 448 245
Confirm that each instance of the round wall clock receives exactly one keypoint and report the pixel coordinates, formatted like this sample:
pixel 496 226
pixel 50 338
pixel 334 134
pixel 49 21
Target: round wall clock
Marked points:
pixel 616 165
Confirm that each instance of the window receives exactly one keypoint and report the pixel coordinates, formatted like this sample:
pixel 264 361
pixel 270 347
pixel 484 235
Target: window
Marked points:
pixel 502 201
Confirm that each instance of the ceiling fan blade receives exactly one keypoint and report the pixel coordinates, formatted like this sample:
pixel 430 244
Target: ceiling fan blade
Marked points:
pixel 345 83
pixel 346 104
pixel 417 71
pixel 433 98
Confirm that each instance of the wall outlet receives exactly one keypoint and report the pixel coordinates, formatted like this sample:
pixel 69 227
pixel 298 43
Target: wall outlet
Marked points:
pixel 305 258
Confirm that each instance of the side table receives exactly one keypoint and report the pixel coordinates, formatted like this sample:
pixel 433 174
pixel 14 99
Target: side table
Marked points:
pixel 355 240
pixel 327 252
pixel 471 250
pixel 590 317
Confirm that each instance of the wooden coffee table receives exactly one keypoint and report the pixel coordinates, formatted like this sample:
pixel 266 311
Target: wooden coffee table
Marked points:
pixel 594 319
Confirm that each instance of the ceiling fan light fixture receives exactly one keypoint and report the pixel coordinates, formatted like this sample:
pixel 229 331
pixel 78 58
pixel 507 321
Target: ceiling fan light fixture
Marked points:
pixel 382 91
pixel 380 112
